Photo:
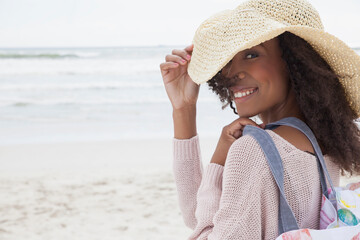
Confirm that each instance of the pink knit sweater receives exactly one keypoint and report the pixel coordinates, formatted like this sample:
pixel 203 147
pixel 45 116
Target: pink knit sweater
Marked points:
pixel 240 200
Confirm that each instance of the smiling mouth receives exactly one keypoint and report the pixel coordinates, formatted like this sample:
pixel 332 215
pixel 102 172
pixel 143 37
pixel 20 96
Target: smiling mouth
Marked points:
pixel 245 93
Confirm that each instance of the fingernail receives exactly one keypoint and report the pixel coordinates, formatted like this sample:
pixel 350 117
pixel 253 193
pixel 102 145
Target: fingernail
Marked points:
pixel 188 57
pixel 182 60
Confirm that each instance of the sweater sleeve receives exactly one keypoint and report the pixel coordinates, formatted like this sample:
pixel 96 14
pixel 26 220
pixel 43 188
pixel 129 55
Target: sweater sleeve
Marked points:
pixel 188 173
pixel 187 169
pixel 238 213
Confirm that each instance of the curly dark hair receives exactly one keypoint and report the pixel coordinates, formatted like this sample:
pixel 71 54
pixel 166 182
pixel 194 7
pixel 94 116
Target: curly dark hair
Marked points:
pixel 321 98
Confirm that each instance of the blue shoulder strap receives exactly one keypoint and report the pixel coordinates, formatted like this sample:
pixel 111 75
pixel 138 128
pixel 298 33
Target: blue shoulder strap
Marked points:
pixel 287 220
pixel 301 126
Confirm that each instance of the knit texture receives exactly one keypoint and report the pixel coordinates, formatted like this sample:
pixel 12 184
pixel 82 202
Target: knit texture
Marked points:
pixel 240 200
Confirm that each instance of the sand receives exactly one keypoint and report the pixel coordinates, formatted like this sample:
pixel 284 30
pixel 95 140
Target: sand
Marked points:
pixel 91 190
pixel 125 205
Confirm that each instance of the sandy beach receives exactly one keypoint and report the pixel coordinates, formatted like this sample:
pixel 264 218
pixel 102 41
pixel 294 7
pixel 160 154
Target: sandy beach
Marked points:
pixel 90 190
pixel 92 205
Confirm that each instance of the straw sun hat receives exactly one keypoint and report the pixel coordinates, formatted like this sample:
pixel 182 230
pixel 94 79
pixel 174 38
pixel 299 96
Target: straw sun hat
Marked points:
pixel 222 36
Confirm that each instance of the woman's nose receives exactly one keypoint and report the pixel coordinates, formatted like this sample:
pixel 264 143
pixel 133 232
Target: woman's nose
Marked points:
pixel 230 71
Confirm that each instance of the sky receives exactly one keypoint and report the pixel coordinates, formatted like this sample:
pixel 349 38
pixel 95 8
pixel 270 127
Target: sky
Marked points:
pixel 86 23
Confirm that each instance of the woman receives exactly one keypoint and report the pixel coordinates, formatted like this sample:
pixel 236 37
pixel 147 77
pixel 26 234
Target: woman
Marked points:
pixel 257 58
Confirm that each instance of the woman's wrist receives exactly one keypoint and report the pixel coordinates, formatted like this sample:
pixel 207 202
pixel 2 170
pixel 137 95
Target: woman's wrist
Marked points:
pixel 220 153
pixel 185 122
pixel 218 159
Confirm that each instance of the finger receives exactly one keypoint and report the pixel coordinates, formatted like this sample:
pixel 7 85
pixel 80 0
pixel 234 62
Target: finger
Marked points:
pixel 175 58
pixel 189 48
pixel 237 134
pixel 241 122
pixel 168 65
pixel 247 121
pixel 182 53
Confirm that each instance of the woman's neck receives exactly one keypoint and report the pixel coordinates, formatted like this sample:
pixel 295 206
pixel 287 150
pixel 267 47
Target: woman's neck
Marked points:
pixel 289 108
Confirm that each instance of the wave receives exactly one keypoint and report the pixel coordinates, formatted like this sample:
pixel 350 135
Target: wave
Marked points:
pixel 98 102
pixel 37 55
pixel 60 53
pixel 80 86
pixel 82 102
pixel 78 66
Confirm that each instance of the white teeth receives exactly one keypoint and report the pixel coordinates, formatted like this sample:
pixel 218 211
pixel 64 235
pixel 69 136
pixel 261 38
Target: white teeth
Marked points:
pixel 243 94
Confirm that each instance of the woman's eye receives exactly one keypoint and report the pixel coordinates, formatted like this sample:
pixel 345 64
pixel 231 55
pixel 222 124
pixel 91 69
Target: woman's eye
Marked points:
pixel 251 55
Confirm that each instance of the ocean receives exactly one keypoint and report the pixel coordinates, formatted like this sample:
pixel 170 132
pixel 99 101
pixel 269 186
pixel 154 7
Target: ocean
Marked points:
pixel 92 94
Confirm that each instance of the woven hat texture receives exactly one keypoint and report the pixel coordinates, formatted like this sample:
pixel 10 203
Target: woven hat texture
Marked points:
pixel 219 38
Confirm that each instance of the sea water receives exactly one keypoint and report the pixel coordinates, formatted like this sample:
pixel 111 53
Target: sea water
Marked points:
pixel 92 94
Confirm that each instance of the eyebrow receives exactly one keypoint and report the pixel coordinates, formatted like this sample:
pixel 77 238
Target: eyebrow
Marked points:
pixel 263 46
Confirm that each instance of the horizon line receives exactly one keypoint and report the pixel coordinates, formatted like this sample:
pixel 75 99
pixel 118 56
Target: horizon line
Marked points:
pixel 119 46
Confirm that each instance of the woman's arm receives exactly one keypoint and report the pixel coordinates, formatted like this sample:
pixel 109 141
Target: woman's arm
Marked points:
pixel 185 122
pixel 231 208
pixel 188 173
pixel 188 170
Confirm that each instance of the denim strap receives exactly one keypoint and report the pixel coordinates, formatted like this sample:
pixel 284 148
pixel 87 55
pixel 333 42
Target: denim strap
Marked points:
pixel 287 221
pixel 301 126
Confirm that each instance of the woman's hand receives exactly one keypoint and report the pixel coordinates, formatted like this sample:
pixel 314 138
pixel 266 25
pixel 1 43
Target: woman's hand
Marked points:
pixel 229 134
pixel 181 90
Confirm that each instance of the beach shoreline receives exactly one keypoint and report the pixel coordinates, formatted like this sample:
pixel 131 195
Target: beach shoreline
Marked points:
pixel 92 155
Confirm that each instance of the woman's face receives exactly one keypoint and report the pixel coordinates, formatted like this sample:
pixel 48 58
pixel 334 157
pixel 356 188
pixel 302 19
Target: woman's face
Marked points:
pixel 263 83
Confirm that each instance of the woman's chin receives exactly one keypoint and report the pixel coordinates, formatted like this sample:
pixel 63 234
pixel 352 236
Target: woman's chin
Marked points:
pixel 246 114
